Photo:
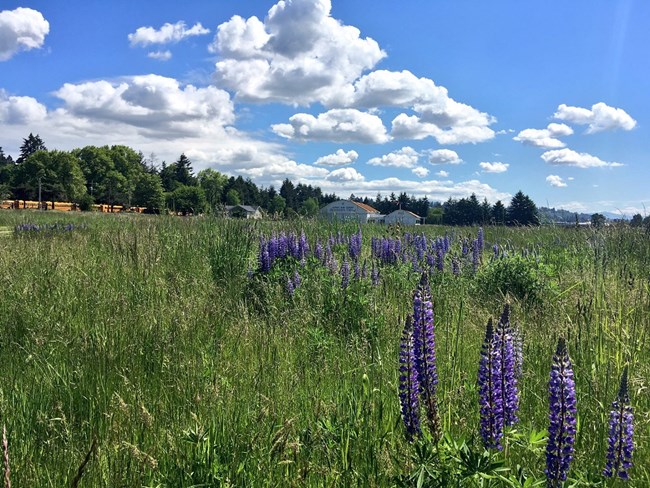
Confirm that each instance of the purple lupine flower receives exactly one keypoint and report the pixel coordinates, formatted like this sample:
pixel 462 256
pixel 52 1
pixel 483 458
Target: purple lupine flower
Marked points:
pixel 303 245
pixel 481 242
pixel 455 266
pixel 374 275
pixel 364 270
pixel 440 260
pixel 297 281
pixel 264 260
pixel 425 352
pixel 489 389
pixel 509 388
pixel 354 245
pixel 620 443
pixel 465 249
pixel 318 251
pixel 409 385
pixel 357 270
pixel 476 254
pixel 290 286
pixel 446 243
pixel 495 249
pixel 562 417
pixel 345 273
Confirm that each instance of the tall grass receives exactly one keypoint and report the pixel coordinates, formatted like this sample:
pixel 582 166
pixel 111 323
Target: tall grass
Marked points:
pixel 145 334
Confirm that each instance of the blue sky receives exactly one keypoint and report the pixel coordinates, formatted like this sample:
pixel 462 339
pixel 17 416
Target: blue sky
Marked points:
pixel 432 98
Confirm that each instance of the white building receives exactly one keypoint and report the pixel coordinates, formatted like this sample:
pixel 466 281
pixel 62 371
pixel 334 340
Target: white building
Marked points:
pixel 403 217
pixel 243 212
pixel 349 210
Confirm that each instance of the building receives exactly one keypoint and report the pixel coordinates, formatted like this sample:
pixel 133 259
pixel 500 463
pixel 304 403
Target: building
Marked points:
pixel 350 210
pixel 243 212
pixel 403 217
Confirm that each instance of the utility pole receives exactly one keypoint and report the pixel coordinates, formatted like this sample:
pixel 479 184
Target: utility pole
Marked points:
pixel 40 207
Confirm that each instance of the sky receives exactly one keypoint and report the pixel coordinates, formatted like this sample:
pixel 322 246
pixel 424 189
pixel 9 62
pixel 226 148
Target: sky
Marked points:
pixel 433 98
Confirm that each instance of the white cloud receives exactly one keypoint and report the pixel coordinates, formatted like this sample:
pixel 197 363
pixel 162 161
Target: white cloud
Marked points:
pixel 168 33
pixel 494 167
pixel 444 156
pixel 420 171
pixel 160 55
pixel 21 29
pixel 345 174
pixel 568 157
pixel 454 131
pixel 556 181
pixel 151 103
pixel 407 157
pixel 434 190
pixel 338 125
pixel 299 54
pixel 600 118
pixel 20 110
pixel 547 138
pixel 339 158
pixel 442 173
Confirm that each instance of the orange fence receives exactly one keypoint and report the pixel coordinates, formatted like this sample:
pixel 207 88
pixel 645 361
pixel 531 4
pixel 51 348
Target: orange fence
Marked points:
pixel 66 206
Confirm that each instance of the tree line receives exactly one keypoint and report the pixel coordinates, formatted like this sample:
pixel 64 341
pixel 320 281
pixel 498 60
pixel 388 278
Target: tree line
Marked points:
pixel 119 175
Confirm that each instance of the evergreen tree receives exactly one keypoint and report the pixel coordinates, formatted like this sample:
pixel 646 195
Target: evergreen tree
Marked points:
pixel 522 210
pixel 183 171
pixel 30 145
pixel 149 193
pixel 288 192
pixel 499 213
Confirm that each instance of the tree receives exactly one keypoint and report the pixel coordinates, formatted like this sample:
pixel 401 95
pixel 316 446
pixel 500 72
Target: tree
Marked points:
pixel 310 207
pixel 31 144
pixel 187 199
pixel 499 213
pixel 149 192
pixel 277 205
pixel 213 184
pixel 232 197
pixel 183 171
pixel 522 210
pixel 637 220
pixel 6 174
pixel 288 192
pixel 56 172
pixel 598 220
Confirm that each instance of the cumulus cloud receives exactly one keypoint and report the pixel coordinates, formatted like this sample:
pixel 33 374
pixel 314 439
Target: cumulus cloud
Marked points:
pixel 152 103
pixel 444 156
pixel 568 157
pixel 20 110
pixel 337 125
pixel 432 189
pixel 407 157
pixel 442 173
pixel 600 117
pixel 160 55
pixel 556 181
pixel 21 29
pixel 299 54
pixel 495 167
pixel 420 171
pixel 442 127
pixel 345 174
pixel 339 158
pixel 167 34
pixel 547 138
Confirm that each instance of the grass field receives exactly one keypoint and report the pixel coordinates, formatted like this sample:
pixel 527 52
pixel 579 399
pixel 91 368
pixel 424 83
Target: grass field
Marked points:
pixel 157 337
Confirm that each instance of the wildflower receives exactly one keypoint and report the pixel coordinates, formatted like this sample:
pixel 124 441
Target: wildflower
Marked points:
pixel 374 275
pixel 476 254
pixel 489 387
pixel 440 260
pixel 408 382
pixel 509 388
pixel 290 286
pixel 318 252
pixel 296 279
pixel 455 266
pixel 264 259
pixel 481 242
pixel 562 417
pixel 620 444
pixel 345 273
pixel 425 352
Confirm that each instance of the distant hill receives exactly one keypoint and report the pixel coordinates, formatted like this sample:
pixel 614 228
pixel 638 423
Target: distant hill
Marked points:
pixel 549 215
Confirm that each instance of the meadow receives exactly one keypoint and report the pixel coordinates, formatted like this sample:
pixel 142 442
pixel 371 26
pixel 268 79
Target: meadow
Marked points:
pixel 162 352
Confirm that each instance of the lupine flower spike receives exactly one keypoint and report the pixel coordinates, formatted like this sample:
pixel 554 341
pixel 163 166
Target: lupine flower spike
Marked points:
pixel 489 387
pixel 562 418
pixel 620 442
pixel 425 353
pixel 503 337
pixel 408 383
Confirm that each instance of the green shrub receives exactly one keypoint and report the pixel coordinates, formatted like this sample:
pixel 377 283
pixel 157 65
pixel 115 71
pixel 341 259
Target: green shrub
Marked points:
pixel 517 276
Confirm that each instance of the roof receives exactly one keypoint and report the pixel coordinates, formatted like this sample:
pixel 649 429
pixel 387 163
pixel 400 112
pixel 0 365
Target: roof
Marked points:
pixel 365 207
pixel 406 211
pixel 246 208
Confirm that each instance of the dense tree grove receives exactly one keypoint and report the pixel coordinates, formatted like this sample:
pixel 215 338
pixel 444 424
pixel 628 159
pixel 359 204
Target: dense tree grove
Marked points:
pixel 119 175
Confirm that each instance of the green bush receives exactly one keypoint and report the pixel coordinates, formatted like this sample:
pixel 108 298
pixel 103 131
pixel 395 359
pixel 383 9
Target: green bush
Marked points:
pixel 517 276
